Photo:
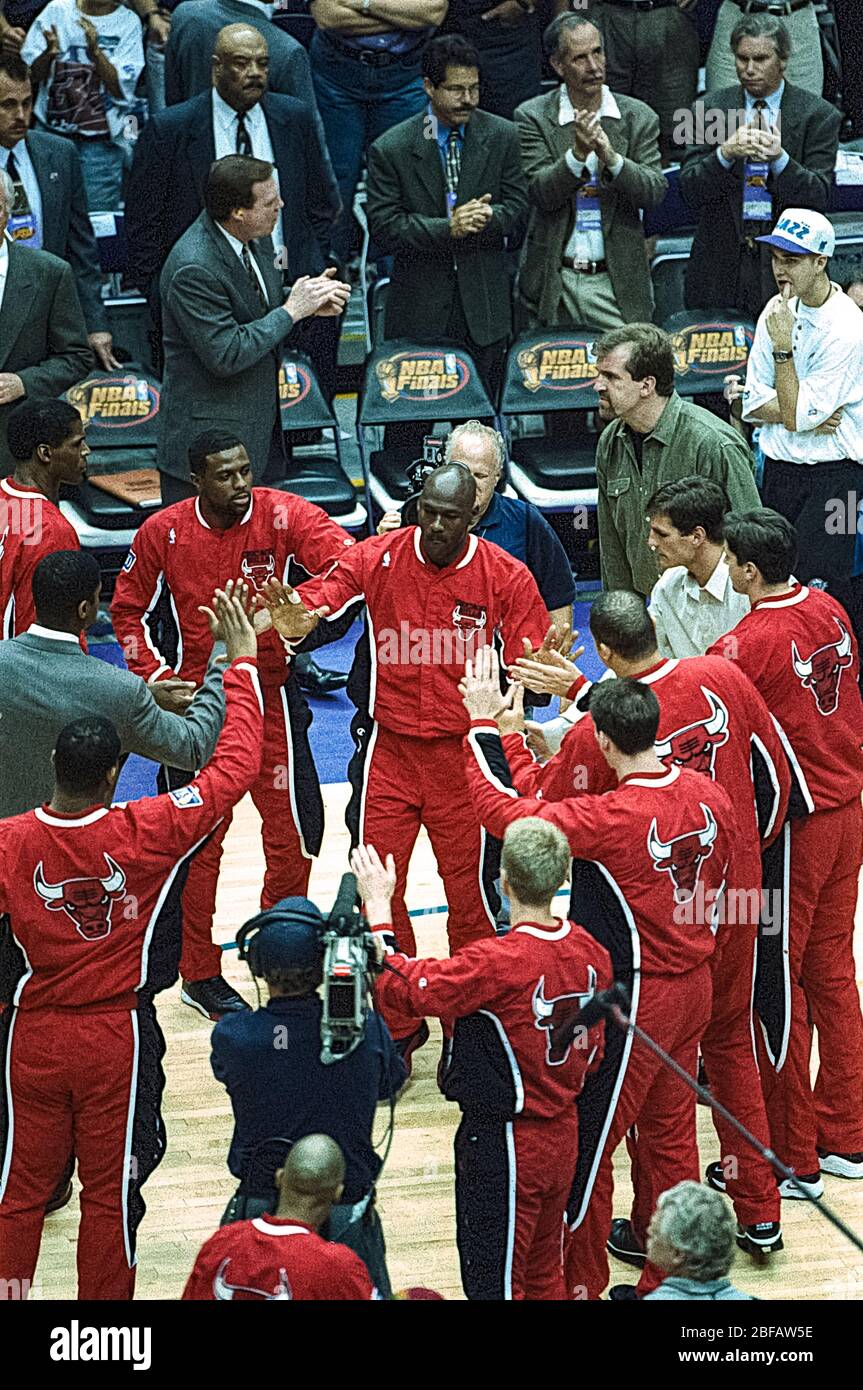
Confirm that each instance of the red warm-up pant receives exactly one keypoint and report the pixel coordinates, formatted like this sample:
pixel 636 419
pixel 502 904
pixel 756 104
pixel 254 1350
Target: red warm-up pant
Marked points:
pixel 401 783
pixel 288 799
pixel 512 1181
pixel 675 1011
pixel 823 856
pixel 728 1049
pixel 72 1087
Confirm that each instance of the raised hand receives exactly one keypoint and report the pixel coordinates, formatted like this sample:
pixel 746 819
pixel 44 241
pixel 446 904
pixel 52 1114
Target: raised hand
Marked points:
pixel 288 614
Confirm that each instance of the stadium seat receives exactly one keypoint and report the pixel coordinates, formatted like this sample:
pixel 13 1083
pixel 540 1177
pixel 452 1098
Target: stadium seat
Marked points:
pixel 672 216
pixel 404 382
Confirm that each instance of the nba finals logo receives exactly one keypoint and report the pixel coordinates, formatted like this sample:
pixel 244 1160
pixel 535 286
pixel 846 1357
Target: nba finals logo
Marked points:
pixel 431 377
pixel 115 402
pixel 568 364
pixel 711 347
pixel 294 384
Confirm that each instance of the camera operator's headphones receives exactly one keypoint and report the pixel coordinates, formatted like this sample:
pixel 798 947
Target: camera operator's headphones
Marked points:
pixel 284 937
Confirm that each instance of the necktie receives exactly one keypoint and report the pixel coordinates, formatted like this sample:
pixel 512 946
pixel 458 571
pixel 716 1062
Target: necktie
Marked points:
pixel 250 271
pixel 761 121
pixel 452 163
pixel 244 139
pixel 21 206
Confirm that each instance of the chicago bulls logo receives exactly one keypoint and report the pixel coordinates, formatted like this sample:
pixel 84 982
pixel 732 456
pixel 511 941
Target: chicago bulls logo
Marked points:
pixel 469 619
pixel 694 746
pixel 87 901
pixel 822 671
pixel 556 1017
pixel 682 857
pixel 258 566
pixel 224 1292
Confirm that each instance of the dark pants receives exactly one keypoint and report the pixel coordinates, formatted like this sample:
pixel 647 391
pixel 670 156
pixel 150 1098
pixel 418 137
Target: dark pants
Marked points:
pixel 488 361
pixel 807 495
pixel 365 1236
pixel 652 55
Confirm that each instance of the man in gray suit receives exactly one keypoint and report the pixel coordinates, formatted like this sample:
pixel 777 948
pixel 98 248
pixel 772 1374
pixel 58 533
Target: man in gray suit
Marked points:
pixel 592 162
pixel 43 338
pixel 46 679
pixel 51 210
pixel 225 321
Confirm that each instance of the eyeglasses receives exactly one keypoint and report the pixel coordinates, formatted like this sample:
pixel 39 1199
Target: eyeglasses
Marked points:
pixel 462 91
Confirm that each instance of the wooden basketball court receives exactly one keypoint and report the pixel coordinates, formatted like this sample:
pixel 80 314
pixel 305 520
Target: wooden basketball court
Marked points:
pixel 186 1195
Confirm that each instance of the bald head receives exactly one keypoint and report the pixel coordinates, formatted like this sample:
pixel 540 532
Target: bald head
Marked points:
pixel 445 512
pixel 241 61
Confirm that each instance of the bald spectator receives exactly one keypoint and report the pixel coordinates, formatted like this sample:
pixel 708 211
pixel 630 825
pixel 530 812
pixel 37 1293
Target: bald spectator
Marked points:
pixel 283 1256
pixel 236 115
pixel 592 163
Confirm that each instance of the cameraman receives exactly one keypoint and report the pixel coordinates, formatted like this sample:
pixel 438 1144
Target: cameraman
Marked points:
pixel 269 1060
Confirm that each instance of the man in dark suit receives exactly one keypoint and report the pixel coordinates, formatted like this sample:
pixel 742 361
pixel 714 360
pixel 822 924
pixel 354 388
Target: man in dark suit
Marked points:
pixel 194 27
pixel 43 338
pixel 236 115
pixel 225 319
pixel 759 148
pixel 50 200
pixel 446 195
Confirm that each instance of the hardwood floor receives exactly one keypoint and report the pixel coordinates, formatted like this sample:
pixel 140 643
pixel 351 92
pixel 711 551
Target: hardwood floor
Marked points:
pixel 186 1195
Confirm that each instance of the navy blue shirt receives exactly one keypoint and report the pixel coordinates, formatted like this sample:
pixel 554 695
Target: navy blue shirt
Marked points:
pixel 523 532
pixel 270 1062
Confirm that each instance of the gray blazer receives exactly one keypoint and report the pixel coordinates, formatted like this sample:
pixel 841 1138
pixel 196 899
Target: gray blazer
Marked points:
pixel 222 349
pixel 46 682
pixel 552 187
pixel 43 337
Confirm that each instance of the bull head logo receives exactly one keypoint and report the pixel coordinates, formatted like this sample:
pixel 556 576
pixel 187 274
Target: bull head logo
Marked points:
pixel 556 1017
pixel 224 1292
pixel 469 619
pixel 87 901
pixel 682 857
pixel 822 671
pixel 694 746
pixel 257 566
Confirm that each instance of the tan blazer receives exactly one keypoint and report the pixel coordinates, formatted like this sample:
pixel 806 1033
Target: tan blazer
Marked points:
pixel 552 188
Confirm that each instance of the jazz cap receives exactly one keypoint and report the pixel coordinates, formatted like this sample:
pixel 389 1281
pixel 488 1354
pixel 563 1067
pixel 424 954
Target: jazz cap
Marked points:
pixel 801 232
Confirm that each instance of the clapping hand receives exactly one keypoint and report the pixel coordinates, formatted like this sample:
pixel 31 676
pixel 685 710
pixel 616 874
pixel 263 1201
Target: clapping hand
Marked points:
pixel 480 686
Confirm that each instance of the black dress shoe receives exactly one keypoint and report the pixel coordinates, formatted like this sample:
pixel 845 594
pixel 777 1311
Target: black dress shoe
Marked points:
pixel 213 998
pixel 315 679
pixel 623 1293
pixel 624 1244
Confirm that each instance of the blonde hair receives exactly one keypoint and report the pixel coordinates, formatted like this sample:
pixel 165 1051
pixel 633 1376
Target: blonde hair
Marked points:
pixel 535 860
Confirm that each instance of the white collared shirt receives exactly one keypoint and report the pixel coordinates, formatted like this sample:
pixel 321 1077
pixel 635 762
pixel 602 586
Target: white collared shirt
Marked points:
pixel 690 617
pixel 261 5
pixel 589 246
pixel 27 174
pixel 237 248
pixel 827 344
pixel 34 630
pixel 4 266
pixel 225 121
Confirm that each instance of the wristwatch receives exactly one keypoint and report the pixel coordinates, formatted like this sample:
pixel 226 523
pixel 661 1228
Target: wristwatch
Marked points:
pixel 783 356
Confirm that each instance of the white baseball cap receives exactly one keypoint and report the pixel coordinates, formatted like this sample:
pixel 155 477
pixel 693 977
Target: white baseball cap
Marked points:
pixel 802 232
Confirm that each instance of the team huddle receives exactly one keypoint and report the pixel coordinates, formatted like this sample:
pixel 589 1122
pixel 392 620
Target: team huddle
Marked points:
pixel 707 810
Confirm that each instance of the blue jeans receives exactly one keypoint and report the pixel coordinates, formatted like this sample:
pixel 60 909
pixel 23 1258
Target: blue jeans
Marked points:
pixel 102 164
pixel 358 103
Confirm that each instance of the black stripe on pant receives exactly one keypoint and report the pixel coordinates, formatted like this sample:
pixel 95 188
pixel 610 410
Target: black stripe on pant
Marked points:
pixel 485 1181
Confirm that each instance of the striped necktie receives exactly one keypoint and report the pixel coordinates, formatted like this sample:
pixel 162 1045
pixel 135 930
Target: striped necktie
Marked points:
pixel 244 139
pixel 246 258
pixel 452 162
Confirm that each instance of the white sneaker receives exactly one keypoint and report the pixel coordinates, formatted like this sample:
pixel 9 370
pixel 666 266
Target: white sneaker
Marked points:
pixel 841 1165
pixel 810 1182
